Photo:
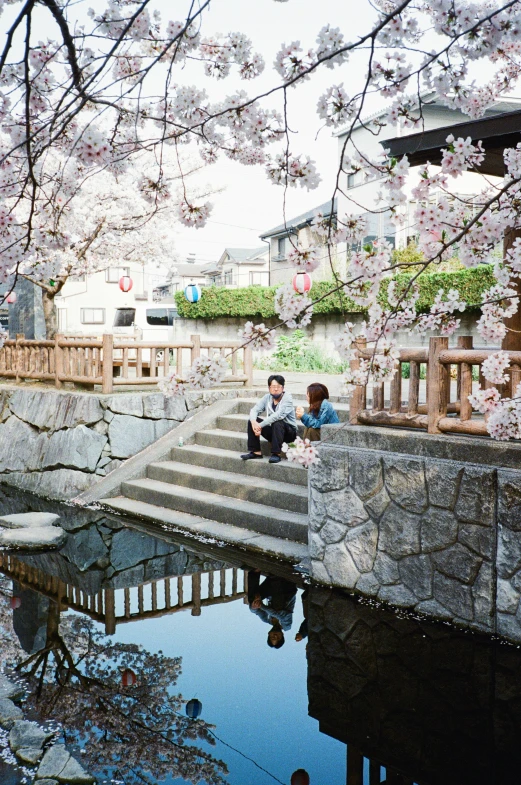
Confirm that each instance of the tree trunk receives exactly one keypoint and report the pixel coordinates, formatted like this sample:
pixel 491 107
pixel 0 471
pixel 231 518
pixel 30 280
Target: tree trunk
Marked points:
pixel 50 314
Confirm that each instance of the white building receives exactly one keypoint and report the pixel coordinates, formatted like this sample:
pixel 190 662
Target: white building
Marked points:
pixel 238 267
pixel 87 305
pixel 357 195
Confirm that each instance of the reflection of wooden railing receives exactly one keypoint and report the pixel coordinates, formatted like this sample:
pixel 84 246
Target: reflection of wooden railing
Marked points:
pixel 436 413
pixel 148 600
pixel 108 362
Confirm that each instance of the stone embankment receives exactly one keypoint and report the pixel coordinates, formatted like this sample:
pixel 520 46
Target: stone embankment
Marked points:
pixel 438 534
pixel 57 444
pixel 34 748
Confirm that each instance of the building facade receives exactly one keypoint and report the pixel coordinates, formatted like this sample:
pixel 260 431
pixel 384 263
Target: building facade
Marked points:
pixel 239 267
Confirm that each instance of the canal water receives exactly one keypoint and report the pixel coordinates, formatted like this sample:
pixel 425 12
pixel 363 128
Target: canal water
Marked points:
pixel 164 660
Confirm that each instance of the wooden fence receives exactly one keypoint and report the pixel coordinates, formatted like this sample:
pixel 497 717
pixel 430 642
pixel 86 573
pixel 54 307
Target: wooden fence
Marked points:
pixel 445 407
pixel 149 600
pixel 109 361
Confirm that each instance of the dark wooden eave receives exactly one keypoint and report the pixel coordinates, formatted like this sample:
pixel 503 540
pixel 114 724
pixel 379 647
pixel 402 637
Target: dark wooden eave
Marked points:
pixel 497 133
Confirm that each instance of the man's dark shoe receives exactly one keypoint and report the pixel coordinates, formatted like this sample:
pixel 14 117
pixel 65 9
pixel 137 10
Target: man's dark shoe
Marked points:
pixel 275 459
pixel 249 455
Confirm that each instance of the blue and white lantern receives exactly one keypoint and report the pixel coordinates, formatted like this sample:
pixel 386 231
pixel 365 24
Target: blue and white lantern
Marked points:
pixel 194 708
pixel 193 293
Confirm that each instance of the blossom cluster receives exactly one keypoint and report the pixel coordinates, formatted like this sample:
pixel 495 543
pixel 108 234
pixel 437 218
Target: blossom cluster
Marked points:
pixel 293 308
pixel 258 336
pixel 302 451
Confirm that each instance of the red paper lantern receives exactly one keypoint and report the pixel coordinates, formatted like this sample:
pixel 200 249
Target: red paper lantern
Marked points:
pixel 11 298
pixel 302 282
pixel 128 678
pixel 126 283
pixel 300 777
pixel 15 602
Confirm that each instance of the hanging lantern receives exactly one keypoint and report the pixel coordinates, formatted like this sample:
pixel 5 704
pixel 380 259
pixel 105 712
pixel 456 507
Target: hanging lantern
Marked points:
pixel 300 777
pixel 128 678
pixel 194 708
pixel 126 283
pixel 11 298
pixel 302 282
pixel 193 293
pixel 15 602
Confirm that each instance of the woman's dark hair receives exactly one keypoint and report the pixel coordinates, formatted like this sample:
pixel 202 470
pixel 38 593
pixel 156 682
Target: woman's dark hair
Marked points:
pixel 317 393
pixel 277 378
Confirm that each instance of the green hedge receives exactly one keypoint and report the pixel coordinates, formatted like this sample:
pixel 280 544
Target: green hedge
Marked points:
pixel 257 301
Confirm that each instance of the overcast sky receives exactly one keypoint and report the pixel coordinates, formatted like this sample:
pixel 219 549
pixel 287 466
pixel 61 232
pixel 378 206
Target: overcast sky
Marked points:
pixel 250 204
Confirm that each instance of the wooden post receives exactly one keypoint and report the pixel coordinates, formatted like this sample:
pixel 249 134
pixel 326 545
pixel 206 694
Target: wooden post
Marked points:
pixel 248 365
pixel 19 356
pixel 196 594
pixel 465 380
pixel 110 612
pixel 108 360
pixel 438 384
pixel 378 397
pixel 358 400
pixel 58 360
pixel 196 347
pixel 396 391
pixel 512 340
pixel 355 766
pixel 414 388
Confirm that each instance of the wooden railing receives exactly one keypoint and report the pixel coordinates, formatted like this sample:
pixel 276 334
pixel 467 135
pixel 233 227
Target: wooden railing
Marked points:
pixel 148 600
pixel 444 407
pixel 108 361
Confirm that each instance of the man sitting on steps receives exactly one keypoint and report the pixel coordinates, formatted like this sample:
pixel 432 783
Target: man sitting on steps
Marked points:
pixel 279 425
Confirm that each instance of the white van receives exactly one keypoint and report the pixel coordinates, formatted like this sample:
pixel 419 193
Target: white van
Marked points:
pixel 147 321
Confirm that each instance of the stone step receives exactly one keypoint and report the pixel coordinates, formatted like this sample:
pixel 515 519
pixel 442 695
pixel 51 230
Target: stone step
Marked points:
pixel 342 409
pixel 270 492
pixel 228 440
pixel 176 521
pixel 239 423
pixel 226 460
pixel 261 518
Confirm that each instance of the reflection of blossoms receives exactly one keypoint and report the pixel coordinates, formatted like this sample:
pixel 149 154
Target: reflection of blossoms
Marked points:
pixel 302 451
pixel 290 306
pixel 258 336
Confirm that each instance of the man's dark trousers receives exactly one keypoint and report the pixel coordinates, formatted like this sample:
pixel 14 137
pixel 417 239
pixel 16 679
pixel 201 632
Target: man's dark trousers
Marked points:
pixel 277 433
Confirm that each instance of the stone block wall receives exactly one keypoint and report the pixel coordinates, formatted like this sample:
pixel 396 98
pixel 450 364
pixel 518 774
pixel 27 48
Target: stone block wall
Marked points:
pixel 57 444
pixel 442 537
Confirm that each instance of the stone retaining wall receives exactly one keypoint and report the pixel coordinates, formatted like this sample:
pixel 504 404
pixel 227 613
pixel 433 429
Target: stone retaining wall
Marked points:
pixel 57 444
pixel 440 536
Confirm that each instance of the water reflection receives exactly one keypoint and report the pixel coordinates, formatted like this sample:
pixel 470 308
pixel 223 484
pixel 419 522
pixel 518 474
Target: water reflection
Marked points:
pixel 273 601
pixel 415 703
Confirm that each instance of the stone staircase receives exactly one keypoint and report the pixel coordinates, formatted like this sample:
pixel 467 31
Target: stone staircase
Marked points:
pixel 204 487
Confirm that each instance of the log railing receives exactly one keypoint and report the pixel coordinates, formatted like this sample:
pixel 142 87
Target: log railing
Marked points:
pixel 108 361
pixel 444 406
pixel 156 598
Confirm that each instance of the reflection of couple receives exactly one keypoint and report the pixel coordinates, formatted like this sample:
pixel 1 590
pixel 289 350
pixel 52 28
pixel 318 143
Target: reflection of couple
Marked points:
pixel 273 601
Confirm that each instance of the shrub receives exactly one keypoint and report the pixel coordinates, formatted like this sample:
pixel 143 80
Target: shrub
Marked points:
pixel 295 352
pixel 254 302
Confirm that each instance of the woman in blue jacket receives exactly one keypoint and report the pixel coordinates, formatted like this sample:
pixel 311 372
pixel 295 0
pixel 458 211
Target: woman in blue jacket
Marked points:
pixel 320 412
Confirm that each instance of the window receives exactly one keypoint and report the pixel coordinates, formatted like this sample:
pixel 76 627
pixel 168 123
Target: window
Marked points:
pixel 351 180
pixel 259 279
pixel 93 315
pixel 157 317
pixel 281 247
pixel 4 319
pixel 113 274
pixel 228 277
pixel 62 319
pixel 124 317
